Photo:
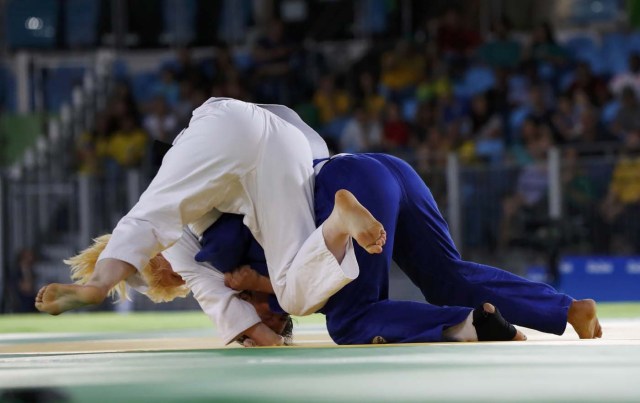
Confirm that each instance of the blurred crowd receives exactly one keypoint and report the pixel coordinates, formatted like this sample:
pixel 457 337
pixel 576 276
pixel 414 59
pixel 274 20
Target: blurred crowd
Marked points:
pixel 500 102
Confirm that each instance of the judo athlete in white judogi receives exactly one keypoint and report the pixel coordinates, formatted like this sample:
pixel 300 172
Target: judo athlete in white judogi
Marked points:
pixel 247 159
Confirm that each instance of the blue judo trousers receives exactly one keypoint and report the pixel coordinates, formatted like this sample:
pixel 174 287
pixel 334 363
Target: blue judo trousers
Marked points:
pixel 418 240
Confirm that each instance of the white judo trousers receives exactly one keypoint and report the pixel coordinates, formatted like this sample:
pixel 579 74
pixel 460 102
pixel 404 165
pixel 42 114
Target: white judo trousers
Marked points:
pixel 240 158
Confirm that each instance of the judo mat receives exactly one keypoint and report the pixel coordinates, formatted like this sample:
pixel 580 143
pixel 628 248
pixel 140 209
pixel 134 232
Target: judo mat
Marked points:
pixel 175 357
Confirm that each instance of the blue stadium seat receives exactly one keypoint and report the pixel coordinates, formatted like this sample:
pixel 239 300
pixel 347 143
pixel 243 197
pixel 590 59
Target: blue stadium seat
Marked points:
pixel 120 69
pixel 615 52
pixel 633 42
pixel 81 27
pixel 243 60
pixel 476 80
pixel 58 85
pixel 567 79
pixel 31 23
pixel 517 118
pixel 142 85
pixel 7 90
pixel 409 109
pixel 609 112
pixel 480 79
pixel 583 48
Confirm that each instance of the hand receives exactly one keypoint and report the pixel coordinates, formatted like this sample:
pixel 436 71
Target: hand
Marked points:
pixel 242 278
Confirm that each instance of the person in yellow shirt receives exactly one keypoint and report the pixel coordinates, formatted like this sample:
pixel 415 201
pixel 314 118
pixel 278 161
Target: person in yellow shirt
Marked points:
pixel 332 103
pixel 620 210
pixel 402 70
pixel 127 146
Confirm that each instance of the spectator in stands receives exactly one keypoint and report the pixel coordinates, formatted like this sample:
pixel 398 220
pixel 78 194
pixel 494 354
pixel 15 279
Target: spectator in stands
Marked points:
pixel 367 93
pixel 528 201
pixel 122 102
pixel 186 69
pixel 435 83
pixel 273 55
pixel 593 86
pixel 185 105
pixel 224 66
pixel 628 116
pixel 486 131
pixel 538 106
pixel 425 118
pixel 578 192
pixel 232 87
pixel 25 282
pixel 332 103
pixel 396 131
pixel 363 132
pixel 565 120
pixel 501 51
pixel 498 96
pixel 91 147
pixel 167 87
pixel 629 78
pixel 402 69
pixel 127 145
pixel 451 109
pixel 544 47
pixel 590 134
pixel 454 39
pixel 481 117
pixel 620 211
pixel 160 123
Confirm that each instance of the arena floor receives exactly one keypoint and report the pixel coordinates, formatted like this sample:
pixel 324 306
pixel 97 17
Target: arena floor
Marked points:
pixel 115 358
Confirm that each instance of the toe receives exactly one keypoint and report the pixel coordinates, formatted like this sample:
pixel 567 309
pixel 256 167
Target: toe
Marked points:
pixel 488 307
pixel 520 336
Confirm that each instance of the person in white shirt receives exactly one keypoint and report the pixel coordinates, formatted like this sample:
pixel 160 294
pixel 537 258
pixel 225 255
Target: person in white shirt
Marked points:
pixel 629 78
pixel 362 133
pixel 243 158
pixel 160 123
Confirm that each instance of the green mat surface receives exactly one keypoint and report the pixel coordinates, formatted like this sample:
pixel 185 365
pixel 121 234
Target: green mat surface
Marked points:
pixel 550 371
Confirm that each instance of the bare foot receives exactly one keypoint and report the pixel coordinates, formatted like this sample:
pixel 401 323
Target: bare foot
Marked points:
pixel 491 309
pixel 582 316
pixel 358 222
pixel 57 298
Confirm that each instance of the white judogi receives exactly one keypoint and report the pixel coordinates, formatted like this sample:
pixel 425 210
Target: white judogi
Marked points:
pixel 247 159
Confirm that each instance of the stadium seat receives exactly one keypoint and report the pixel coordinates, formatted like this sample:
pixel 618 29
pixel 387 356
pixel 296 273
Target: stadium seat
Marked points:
pixel 7 90
pixel 476 80
pixel 615 51
pixel 633 42
pixel 31 23
pixel 609 112
pixel 59 84
pixel 243 60
pixel 81 22
pixel 517 118
pixel 583 48
pixel 567 79
pixel 142 85
pixel 120 69
pixel 409 108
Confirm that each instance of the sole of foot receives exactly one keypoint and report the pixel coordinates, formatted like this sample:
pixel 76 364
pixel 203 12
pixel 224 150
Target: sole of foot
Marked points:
pixel 359 223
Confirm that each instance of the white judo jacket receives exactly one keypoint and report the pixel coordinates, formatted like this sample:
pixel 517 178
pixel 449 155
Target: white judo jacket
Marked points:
pixel 242 158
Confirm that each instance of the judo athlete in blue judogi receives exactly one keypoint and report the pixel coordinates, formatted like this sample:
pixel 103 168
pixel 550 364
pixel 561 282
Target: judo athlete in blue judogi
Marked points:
pixel 418 240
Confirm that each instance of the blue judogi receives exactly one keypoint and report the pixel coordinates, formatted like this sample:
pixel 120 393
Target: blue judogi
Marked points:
pixel 418 240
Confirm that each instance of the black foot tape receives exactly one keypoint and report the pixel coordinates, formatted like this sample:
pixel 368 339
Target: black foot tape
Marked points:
pixel 492 326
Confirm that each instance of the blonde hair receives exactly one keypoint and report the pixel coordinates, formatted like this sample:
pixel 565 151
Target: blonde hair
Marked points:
pixel 161 282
